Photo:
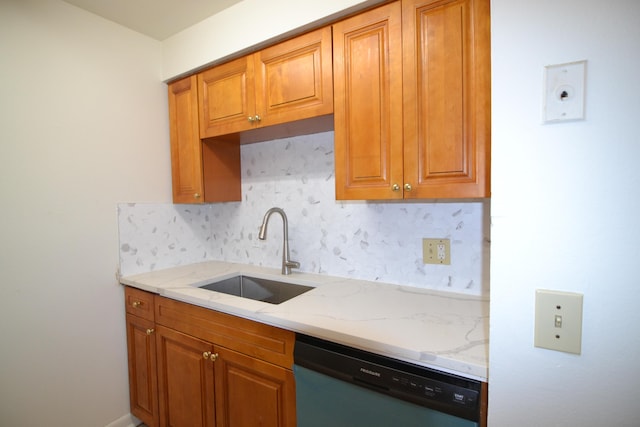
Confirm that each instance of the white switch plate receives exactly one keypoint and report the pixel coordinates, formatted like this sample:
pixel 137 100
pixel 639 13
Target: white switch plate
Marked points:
pixel 558 321
pixel 564 92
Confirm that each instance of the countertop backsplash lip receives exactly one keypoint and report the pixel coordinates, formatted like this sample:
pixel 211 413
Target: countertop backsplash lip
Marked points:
pixel 442 330
pixel 358 240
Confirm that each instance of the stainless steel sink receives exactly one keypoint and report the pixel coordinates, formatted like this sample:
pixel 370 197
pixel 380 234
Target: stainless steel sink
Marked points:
pixel 271 291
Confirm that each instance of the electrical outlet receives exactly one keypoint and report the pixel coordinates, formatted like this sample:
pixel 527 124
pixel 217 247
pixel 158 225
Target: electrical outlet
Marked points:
pixel 558 324
pixel 436 251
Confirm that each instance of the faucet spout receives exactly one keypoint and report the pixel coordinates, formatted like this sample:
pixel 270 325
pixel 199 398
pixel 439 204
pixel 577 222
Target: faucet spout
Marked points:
pixel 287 264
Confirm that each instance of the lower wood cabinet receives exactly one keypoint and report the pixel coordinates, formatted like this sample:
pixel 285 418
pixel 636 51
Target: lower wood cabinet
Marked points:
pixel 185 380
pixel 141 341
pixel 251 392
pixel 143 385
pixel 207 368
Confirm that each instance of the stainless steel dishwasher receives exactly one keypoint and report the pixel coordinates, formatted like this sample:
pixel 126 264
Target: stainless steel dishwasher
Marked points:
pixel 341 386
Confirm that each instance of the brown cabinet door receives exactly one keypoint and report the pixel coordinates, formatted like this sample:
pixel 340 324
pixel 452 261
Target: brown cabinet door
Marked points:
pixel 186 149
pixel 294 79
pixel 227 98
pixel 185 380
pixel 283 83
pixel 367 71
pixel 251 392
pixel 143 385
pixel 446 98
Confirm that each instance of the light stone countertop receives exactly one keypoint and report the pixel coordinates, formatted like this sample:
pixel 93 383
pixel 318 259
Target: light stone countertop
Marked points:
pixel 440 330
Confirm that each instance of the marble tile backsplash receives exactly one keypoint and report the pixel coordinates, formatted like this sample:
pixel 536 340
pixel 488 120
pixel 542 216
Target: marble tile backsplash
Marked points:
pixel 364 240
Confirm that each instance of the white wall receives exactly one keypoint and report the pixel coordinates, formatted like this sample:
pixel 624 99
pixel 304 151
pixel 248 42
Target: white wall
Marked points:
pixel 83 126
pixel 565 212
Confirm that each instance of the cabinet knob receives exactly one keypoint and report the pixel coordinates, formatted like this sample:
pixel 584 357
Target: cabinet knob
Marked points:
pixel 395 187
pixel 258 118
pixel 150 331
pixel 407 187
pixel 251 119
pixel 207 355
pixel 196 196
pixel 136 304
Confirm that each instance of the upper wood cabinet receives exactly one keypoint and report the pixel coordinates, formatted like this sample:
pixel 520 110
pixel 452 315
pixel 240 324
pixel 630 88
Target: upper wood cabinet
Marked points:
pixel 211 112
pixel 367 73
pixel 201 170
pixel 447 98
pixel 186 149
pixel 283 83
pixel 412 101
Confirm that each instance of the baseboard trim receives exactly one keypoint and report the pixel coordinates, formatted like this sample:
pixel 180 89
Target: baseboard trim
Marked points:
pixel 127 420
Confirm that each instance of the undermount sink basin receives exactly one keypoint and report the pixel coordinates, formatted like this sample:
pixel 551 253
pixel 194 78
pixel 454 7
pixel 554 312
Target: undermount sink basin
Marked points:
pixel 271 291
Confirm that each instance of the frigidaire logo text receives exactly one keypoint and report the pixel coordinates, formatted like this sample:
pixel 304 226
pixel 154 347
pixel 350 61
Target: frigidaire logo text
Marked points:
pixel 370 372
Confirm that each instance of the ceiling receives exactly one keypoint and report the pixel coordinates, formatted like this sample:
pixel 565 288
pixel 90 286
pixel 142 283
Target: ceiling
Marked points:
pixel 158 19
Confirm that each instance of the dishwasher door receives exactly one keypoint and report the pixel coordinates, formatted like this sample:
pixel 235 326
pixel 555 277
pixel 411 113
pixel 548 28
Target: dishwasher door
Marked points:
pixel 323 401
pixel 340 386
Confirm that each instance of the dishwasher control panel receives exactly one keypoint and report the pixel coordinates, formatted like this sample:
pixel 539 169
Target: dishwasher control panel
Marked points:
pixel 419 389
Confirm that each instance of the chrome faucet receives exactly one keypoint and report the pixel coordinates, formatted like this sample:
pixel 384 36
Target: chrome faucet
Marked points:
pixel 287 264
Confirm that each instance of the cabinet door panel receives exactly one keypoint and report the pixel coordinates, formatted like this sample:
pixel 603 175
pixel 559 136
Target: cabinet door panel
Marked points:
pixel 443 96
pixel 251 392
pixel 186 150
pixel 143 385
pixel 368 104
pixel 227 98
pixel 446 95
pixel 185 380
pixel 294 79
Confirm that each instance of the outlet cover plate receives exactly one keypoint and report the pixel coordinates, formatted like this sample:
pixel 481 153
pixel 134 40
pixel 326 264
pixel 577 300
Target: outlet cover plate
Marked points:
pixel 436 251
pixel 558 324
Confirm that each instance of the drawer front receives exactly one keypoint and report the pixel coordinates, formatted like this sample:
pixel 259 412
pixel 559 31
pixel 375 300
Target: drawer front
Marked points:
pixel 255 339
pixel 139 303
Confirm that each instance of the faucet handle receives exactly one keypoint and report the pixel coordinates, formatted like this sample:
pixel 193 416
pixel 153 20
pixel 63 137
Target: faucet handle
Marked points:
pixel 292 264
pixel 287 265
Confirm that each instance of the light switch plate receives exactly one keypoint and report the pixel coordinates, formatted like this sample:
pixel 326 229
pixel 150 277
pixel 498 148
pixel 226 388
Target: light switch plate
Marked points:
pixel 564 92
pixel 558 324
